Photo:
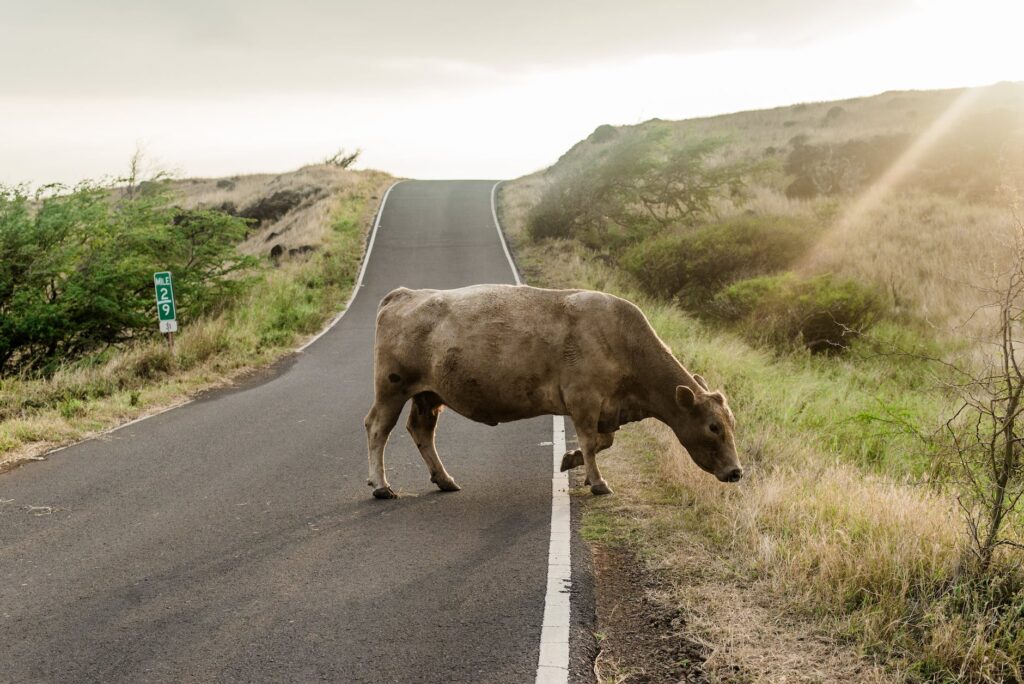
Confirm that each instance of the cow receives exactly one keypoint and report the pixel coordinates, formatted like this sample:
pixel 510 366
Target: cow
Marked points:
pixel 499 353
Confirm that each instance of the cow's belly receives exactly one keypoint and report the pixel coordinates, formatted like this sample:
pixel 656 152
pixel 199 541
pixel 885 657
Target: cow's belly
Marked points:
pixel 492 415
pixel 499 397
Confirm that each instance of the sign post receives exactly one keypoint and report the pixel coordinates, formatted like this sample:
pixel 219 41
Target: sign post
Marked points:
pixel 165 306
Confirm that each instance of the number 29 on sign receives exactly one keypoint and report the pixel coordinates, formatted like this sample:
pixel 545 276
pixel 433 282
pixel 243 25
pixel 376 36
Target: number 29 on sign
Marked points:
pixel 165 304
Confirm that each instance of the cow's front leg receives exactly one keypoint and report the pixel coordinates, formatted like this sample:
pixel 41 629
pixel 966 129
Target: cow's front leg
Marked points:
pixel 380 421
pixel 590 439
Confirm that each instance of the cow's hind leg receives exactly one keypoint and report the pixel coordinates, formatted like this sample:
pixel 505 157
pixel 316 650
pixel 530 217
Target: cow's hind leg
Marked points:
pixel 423 415
pixel 380 421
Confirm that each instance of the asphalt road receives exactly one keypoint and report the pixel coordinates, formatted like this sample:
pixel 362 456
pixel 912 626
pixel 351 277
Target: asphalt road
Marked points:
pixel 235 539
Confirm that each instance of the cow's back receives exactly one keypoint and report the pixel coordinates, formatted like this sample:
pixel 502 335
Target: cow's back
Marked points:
pixel 491 352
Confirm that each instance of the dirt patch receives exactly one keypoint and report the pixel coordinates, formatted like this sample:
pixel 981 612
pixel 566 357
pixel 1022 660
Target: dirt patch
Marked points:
pixel 642 640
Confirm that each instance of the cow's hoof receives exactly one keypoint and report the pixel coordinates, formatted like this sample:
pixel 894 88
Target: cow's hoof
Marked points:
pixel 600 488
pixel 445 484
pixel 384 493
pixel 571 460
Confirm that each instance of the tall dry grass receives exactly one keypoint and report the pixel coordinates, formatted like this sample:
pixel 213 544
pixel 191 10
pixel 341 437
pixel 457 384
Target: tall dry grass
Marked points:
pixel 928 253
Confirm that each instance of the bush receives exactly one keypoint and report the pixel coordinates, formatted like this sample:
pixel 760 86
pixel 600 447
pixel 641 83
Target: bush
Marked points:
pixel 603 133
pixel 823 314
pixel 694 265
pixel 839 168
pixel 76 268
pixel 834 114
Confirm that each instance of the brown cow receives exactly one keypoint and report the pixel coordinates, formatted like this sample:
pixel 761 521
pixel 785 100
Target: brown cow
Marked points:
pixel 498 353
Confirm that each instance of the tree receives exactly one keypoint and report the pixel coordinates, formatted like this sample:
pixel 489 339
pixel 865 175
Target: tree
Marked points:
pixel 641 184
pixel 987 430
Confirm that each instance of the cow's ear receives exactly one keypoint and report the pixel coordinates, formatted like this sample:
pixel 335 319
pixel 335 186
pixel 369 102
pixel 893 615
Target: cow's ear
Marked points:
pixel 685 397
pixel 701 381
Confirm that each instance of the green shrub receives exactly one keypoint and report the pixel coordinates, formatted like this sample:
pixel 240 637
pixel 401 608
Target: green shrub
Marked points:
pixel 823 314
pixel 76 268
pixel 694 265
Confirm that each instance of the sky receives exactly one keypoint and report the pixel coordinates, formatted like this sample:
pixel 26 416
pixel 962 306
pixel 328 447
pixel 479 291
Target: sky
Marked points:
pixel 445 88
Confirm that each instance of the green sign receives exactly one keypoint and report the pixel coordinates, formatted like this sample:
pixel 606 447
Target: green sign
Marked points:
pixel 165 302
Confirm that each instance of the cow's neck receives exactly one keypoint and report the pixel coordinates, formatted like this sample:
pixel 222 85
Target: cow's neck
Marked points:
pixel 660 374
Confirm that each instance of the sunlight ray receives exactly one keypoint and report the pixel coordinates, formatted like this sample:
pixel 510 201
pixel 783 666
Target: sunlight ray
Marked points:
pixel 877 192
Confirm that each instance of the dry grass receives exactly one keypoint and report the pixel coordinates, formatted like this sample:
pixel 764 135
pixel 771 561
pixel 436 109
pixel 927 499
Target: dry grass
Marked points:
pixel 903 248
pixel 308 224
pixel 753 133
pixel 285 305
pixel 924 252
pixel 750 592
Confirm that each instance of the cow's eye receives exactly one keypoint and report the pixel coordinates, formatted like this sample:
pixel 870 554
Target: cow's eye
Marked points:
pixel 714 428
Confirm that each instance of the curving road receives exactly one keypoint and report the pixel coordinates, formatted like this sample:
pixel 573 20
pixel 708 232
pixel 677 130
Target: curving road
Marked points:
pixel 235 539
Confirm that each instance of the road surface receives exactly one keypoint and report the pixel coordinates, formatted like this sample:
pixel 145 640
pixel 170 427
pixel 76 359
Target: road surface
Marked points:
pixel 235 538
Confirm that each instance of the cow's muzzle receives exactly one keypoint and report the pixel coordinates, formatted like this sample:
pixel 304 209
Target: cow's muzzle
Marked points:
pixel 731 475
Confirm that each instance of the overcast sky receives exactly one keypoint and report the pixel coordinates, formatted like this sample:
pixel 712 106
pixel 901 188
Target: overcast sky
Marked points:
pixel 443 88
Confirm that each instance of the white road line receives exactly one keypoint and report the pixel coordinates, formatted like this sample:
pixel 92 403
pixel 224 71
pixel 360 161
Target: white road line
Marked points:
pixel 501 236
pixel 553 662
pixel 334 321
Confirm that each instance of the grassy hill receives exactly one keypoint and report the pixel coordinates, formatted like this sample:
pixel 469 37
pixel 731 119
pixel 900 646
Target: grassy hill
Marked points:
pixel 823 263
pixel 938 163
pixel 300 239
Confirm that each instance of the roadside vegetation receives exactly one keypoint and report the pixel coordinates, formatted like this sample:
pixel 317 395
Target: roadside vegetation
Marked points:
pixel 850 274
pixel 259 262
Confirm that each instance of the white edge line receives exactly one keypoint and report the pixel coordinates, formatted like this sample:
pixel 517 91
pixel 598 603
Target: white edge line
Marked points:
pixel 501 236
pixel 331 324
pixel 553 660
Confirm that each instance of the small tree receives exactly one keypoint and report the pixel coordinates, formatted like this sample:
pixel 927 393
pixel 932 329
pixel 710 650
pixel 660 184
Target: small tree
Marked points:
pixel 986 431
pixel 343 158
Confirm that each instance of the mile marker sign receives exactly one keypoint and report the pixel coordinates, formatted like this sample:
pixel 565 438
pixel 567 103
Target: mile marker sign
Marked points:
pixel 165 302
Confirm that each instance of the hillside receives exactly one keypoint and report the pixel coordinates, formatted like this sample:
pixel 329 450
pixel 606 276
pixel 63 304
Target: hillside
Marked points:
pixel 836 268
pixel 939 164
pixel 290 212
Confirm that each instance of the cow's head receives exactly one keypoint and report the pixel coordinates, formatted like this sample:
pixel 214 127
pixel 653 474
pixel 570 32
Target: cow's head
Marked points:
pixel 704 425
